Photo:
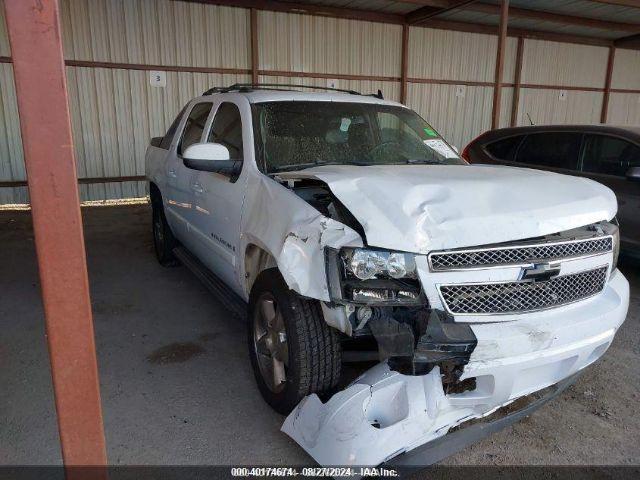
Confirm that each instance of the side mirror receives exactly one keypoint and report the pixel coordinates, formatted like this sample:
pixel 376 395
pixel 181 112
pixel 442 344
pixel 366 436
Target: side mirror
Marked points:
pixel 633 174
pixel 210 157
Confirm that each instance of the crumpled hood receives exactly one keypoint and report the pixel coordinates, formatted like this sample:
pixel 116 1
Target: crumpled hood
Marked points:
pixel 418 208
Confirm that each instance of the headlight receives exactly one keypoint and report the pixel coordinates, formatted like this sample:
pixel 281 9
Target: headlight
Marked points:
pixel 373 277
pixel 367 264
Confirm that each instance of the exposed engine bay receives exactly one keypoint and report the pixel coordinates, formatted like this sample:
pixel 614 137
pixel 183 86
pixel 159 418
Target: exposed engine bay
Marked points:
pixel 412 338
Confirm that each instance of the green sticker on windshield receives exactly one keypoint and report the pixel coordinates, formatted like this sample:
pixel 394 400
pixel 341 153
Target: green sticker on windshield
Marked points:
pixel 430 131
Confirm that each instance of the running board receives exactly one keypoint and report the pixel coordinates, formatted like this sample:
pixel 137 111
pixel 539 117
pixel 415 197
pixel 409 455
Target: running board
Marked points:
pixel 229 299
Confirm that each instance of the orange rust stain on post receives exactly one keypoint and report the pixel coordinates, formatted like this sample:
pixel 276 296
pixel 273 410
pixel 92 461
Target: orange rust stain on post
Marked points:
pixel 38 65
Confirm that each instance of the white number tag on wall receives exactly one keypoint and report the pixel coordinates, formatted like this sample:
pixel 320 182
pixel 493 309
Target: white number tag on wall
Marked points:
pixel 158 79
pixel 332 83
pixel 562 96
pixel 461 90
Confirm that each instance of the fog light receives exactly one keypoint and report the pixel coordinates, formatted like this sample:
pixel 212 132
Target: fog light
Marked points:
pixel 370 294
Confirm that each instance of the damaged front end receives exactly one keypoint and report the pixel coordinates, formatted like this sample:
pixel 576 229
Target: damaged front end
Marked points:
pixel 461 332
pixel 384 297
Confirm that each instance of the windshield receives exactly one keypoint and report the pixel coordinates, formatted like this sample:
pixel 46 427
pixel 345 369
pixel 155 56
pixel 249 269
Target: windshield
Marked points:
pixel 294 135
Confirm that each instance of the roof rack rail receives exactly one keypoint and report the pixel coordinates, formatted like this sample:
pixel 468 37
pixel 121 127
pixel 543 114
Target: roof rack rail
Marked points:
pixel 247 87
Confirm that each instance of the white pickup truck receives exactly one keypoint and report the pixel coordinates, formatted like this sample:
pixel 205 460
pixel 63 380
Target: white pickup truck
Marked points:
pixel 338 217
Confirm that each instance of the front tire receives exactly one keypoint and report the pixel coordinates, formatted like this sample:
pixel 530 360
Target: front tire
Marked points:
pixel 293 351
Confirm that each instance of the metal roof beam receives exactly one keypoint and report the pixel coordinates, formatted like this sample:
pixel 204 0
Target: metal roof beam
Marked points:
pixel 632 41
pixel 620 3
pixel 422 15
pixel 309 9
pixel 340 12
pixel 545 16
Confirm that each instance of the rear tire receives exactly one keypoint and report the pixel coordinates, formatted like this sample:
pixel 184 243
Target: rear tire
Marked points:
pixel 163 240
pixel 298 354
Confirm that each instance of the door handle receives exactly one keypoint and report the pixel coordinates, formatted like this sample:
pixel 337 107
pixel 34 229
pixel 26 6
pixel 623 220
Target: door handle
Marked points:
pixel 172 173
pixel 196 187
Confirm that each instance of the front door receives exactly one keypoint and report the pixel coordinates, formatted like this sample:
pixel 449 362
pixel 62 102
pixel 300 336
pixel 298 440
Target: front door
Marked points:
pixel 178 202
pixel 217 199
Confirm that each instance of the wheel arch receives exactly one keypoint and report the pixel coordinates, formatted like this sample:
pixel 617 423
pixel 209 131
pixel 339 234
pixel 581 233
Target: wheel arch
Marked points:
pixel 154 194
pixel 256 259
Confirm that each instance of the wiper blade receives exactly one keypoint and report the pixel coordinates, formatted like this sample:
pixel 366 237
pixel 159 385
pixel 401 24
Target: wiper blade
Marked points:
pixel 298 166
pixel 423 161
pixel 302 166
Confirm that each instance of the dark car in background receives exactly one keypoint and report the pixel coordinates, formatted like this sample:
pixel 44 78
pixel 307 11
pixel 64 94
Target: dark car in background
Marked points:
pixel 607 154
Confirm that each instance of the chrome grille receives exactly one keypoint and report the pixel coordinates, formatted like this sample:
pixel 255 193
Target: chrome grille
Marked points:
pixel 518 255
pixel 523 296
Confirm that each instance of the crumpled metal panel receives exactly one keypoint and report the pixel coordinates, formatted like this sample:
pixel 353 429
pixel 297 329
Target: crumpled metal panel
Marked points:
pixel 296 238
pixel 420 208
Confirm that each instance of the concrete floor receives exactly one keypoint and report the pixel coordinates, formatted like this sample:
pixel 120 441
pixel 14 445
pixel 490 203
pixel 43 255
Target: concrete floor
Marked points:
pixel 197 403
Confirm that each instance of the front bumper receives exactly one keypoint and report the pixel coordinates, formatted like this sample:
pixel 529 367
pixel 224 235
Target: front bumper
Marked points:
pixel 384 414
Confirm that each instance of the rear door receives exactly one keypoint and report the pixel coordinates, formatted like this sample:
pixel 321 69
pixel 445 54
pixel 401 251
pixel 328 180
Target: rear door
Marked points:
pixel 554 151
pixel 606 159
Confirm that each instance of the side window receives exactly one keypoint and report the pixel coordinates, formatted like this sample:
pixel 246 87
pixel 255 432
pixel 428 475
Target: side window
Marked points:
pixel 166 140
pixel 504 149
pixel 227 130
pixel 194 126
pixel 609 155
pixel 553 149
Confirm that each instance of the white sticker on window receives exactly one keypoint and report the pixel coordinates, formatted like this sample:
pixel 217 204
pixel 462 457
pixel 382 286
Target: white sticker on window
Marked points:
pixel 440 147
pixel 344 125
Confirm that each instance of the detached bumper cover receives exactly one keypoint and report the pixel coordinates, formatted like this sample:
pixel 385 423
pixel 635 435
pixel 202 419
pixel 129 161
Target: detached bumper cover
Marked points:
pixel 384 414
pixel 442 447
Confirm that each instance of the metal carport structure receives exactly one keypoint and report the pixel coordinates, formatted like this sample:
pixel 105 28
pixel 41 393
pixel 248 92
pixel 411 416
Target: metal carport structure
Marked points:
pixel 39 70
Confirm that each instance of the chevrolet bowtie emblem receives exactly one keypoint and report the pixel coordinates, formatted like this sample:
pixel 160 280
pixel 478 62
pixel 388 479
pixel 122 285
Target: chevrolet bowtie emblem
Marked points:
pixel 540 272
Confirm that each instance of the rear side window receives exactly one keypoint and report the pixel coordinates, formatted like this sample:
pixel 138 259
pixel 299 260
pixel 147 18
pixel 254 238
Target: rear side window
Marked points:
pixel 609 155
pixel 195 125
pixel 168 137
pixel 227 130
pixel 504 149
pixel 553 149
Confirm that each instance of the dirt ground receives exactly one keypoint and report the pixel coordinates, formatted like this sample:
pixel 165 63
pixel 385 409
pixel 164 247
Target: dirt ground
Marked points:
pixel 177 386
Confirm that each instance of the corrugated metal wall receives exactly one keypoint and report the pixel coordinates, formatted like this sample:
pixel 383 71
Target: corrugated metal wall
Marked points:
pixel 115 110
pixel 624 108
pixel 303 43
pixel 459 112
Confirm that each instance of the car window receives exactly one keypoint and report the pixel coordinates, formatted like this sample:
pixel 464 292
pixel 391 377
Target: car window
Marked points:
pixel 194 126
pixel 553 149
pixel 294 135
pixel 227 130
pixel 168 137
pixel 609 155
pixel 504 149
